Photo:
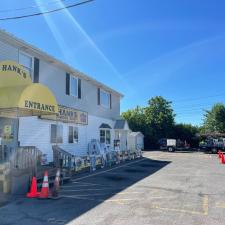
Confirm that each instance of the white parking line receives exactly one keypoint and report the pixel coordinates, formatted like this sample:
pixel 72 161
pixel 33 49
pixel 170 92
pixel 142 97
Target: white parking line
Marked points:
pixel 92 189
pixel 111 193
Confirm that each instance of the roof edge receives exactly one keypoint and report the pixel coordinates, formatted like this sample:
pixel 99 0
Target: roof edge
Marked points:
pixel 56 61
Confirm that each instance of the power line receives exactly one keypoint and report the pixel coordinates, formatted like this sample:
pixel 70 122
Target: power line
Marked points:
pixel 31 7
pixel 46 12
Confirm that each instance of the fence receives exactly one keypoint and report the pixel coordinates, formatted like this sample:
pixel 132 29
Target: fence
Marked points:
pixel 21 165
pixel 28 157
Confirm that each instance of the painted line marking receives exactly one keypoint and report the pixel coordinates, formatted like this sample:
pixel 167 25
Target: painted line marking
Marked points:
pixel 105 171
pixel 220 205
pixel 114 193
pixel 118 201
pixel 75 182
pixel 205 208
pixel 205 205
pixel 93 189
pixel 178 210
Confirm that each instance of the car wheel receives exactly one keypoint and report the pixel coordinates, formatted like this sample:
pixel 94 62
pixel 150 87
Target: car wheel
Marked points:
pixel 214 151
pixel 170 149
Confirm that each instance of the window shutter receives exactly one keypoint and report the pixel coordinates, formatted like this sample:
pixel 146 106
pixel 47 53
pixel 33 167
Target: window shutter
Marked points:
pixel 36 70
pixel 98 96
pixel 79 88
pixel 110 100
pixel 67 84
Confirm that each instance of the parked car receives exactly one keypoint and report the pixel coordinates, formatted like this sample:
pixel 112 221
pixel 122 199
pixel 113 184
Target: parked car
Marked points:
pixel 213 145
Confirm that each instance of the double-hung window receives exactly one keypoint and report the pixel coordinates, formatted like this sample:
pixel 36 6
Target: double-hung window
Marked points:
pixel 56 134
pixel 104 98
pixel 27 62
pixel 73 86
pixel 105 136
pixel 73 135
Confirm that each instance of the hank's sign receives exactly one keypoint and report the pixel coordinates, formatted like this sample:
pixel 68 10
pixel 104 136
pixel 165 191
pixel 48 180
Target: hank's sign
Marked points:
pixel 13 74
pixel 15 68
pixel 70 115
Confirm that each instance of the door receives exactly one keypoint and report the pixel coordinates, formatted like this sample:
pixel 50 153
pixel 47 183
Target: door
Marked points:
pixel 8 137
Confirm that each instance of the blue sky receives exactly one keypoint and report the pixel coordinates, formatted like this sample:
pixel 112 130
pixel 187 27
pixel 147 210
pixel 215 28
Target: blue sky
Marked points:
pixel 141 48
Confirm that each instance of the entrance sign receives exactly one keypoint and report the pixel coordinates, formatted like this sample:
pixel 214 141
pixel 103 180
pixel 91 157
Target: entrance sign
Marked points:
pixel 35 98
pixel 19 96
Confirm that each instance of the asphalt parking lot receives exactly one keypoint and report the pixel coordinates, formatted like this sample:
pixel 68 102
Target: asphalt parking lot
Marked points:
pixel 161 188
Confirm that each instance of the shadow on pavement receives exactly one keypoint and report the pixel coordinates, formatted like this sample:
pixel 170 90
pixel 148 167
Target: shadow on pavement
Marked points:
pixel 81 194
pixel 176 151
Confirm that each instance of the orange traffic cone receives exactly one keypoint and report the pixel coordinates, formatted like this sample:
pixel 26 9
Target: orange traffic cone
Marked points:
pixel 33 189
pixel 45 187
pixel 222 159
pixel 56 184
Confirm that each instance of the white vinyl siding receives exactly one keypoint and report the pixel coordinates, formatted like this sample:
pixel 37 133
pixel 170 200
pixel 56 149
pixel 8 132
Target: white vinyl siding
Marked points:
pixel 8 52
pixel 27 62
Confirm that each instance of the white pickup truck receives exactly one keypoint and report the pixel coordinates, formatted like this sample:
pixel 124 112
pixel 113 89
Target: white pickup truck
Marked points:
pixel 171 144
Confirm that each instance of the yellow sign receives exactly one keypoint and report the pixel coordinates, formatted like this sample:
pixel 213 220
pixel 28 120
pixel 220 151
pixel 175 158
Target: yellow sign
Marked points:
pixel 7 129
pixel 13 74
pixel 69 115
pixel 18 92
pixel 7 135
pixel 34 97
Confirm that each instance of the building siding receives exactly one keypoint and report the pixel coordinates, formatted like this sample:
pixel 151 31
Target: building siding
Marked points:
pixel 55 79
pixel 36 132
pixel 8 52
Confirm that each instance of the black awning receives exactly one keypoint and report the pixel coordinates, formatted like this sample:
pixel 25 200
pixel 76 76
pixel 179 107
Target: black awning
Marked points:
pixel 105 126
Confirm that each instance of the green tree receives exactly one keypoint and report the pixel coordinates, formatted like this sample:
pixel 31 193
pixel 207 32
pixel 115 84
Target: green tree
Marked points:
pixel 136 119
pixel 155 121
pixel 187 132
pixel 160 118
pixel 214 119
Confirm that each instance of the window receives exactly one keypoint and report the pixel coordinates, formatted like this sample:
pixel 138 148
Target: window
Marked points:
pixel 73 86
pixel 104 98
pixel 105 136
pixel 56 133
pixel 27 62
pixel 73 134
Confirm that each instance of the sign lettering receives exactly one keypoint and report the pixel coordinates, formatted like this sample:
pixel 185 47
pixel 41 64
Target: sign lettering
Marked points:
pixel 70 115
pixel 39 106
pixel 14 68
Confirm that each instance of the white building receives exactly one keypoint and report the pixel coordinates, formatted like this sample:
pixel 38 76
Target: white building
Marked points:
pixel 88 109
